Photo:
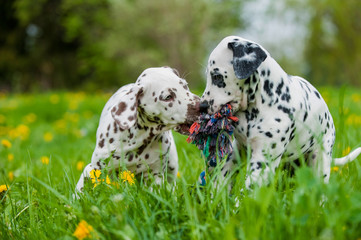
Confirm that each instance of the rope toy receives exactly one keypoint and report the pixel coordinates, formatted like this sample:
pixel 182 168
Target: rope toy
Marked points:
pixel 213 135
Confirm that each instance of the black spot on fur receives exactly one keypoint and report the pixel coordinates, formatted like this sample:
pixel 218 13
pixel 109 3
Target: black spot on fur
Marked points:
pixel 286 97
pixel 305 116
pixel 279 88
pixel 217 79
pixel 317 95
pixel 267 88
pixel 268 134
pixel 101 143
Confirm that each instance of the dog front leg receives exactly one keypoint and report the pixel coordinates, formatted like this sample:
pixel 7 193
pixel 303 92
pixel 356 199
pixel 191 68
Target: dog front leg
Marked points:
pixel 260 169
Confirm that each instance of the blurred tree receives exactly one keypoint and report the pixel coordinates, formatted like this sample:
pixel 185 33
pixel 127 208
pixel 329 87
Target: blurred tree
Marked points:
pixel 122 39
pixel 333 46
pixel 33 52
pixel 71 43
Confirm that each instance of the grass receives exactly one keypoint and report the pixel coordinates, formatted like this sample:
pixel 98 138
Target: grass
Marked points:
pixel 52 136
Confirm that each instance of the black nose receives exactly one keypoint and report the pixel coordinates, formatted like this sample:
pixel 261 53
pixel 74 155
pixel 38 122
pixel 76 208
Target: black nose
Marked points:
pixel 203 106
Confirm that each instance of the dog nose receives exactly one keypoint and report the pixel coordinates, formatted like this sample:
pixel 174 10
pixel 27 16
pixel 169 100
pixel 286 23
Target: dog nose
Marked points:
pixel 203 106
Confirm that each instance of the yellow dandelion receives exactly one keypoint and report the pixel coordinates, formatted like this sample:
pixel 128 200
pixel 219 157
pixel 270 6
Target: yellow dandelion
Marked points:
pixel 346 151
pixel 30 118
pixel 54 99
pixel 83 230
pixel 356 98
pixel 3 188
pixel 61 125
pixel 127 176
pixel 107 180
pixel 334 169
pixel 48 137
pixel 94 176
pixel 354 120
pixel 22 131
pixel 10 157
pixel 6 143
pixel 72 117
pixel 11 176
pixel 73 104
pixel 80 165
pixel 178 175
pixel 45 160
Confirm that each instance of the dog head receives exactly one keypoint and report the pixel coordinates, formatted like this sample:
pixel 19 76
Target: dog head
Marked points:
pixel 159 97
pixel 230 74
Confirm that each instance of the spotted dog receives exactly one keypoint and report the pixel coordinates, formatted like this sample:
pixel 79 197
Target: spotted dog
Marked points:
pixel 135 126
pixel 281 117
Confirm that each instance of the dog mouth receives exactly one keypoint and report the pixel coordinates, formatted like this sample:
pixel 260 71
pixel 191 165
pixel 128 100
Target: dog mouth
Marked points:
pixel 183 128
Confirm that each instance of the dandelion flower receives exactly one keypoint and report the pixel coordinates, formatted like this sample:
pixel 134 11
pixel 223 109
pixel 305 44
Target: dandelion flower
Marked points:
pixel 45 160
pixel 178 175
pixel 10 157
pixel 22 131
pixel 11 176
pixel 80 165
pixel 3 188
pixel 356 98
pixel 335 169
pixel 346 151
pixel 83 230
pixel 48 137
pixel 73 104
pixel 107 180
pixel 94 176
pixel 30 118
pixel 127 176
pixel 6 143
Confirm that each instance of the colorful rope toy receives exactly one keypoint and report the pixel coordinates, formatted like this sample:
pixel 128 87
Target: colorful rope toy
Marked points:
pixel 213 135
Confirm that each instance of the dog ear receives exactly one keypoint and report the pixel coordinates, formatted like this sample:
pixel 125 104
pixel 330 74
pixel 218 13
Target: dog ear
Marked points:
pixel 246 58
pixel 175 71
pixel 125 111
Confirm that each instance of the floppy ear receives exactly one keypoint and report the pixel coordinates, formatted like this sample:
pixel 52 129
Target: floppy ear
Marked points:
pixel 175 71
pixel 124 112
pixel 246 58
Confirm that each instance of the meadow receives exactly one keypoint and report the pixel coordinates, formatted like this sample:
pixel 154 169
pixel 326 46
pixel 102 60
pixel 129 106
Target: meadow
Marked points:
pixel 47 139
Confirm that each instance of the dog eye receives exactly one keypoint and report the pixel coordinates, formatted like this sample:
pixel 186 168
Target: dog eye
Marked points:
pixel 167 98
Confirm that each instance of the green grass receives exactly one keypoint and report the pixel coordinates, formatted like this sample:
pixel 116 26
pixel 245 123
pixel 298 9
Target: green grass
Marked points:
pixel 39 204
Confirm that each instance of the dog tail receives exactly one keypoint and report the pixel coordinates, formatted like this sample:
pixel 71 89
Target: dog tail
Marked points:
pixel 348 158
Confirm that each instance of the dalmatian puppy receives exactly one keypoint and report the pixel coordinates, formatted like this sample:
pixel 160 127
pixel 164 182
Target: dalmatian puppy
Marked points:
pixel 135 126
pixel 281 117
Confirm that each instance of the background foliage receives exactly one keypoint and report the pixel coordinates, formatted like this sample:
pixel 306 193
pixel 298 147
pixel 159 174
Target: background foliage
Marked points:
pixel 66 43
pixel 333 44
pixel 47 44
